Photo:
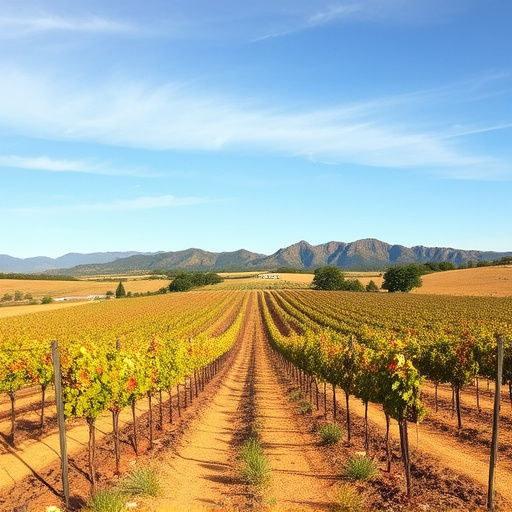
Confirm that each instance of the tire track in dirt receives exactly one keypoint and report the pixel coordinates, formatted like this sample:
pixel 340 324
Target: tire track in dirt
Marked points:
pixel 300 480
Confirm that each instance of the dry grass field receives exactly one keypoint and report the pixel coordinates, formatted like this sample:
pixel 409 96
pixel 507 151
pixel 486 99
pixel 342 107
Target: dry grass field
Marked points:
pixel 481 282
pixel 55 289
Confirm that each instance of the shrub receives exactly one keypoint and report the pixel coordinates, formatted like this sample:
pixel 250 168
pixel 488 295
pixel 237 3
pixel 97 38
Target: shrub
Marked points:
pixel 106 500
pixel 330 433
pixel 296 395
pixel 348 499
pixel 141 481
pixel 255 467
pixel 360 468
pixel 306 407
pixel 46 300
pixel 372 287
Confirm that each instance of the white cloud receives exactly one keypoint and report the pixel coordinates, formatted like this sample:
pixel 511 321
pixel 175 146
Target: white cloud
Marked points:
pixel 14 26
pixel 175 117
pixel 44 163
pixel 119 205
pixel 461 131
pixel 299 16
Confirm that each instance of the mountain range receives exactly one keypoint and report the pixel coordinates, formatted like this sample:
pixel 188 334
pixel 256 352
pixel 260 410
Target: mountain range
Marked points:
pixel 366 254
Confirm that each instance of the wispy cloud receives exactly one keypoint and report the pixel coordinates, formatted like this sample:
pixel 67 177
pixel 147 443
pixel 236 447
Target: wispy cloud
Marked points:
pixel 119 205
pixel 382 133
pixel 300 17
pixel 461 131
pixel 12 26
pixel 44 163
pixel 334 12
pixel 329 14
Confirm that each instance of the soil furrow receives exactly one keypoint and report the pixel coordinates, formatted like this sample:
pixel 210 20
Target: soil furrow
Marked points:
pixel 299 479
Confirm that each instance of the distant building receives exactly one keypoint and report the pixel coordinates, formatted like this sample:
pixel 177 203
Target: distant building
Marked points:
pixel 268 276
pixel 81 298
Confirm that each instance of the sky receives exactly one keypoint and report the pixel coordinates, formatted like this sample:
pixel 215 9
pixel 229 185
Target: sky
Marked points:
pixel 170 124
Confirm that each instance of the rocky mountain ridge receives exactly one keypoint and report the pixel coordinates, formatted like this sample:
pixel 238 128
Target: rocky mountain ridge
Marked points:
pixel 365 254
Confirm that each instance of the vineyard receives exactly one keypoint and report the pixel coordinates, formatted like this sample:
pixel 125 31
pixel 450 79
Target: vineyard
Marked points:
pixel 408 377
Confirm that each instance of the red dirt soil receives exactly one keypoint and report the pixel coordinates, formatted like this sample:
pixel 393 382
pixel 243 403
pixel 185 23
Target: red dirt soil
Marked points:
pixel 197 455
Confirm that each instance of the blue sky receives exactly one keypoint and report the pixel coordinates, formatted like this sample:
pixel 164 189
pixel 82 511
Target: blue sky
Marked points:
pixel 164 125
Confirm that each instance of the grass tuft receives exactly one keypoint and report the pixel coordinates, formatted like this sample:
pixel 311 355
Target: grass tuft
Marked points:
pixel 306 407
pixel 106 500
pixel 142 481
pixel 348 499
pixel 330 433
pixel 360 468
pixel 296 396
pixel 255 469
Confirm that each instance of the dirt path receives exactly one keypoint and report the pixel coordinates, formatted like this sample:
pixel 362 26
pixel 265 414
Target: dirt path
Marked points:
pixel 200 472
pixel 300 480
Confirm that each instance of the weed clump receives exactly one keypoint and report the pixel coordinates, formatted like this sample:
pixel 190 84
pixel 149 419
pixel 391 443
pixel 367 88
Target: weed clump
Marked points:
pixel 348 499
pixel 255 469
pixel 143 481
pixel 361 468
pixel 330 433
pixel 106 500
pixel 306 407
pixel 296 396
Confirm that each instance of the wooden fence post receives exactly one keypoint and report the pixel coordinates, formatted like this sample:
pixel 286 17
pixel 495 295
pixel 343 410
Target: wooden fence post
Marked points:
pixel 60 419
pixel 496 420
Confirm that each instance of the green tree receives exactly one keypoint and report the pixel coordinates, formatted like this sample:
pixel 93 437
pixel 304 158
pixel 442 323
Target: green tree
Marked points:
pixel 120 291
pixel 181 283
pixel 185 281
pixel 7 297
pixel 402 278
pixel 353 285
pixel 328 278
pixel 18 295
pixel 372 287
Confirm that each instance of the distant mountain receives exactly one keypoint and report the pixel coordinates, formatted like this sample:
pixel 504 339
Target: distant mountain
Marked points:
pixel 369 254
pixel 366 254
pixel 190 259
pixel 72 259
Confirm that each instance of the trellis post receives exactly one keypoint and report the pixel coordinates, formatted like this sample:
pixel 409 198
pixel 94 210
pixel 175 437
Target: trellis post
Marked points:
pixel 496 420
pixel 60 419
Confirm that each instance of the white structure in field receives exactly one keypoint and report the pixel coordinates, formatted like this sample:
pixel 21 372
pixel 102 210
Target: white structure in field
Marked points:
pixel 268 276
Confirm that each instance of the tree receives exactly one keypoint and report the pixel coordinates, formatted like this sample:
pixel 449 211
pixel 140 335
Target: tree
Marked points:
pixel 328 278
pixel 120 291
pixel 185 281
pixel 372 287
pixel 402 278
pixel 353 285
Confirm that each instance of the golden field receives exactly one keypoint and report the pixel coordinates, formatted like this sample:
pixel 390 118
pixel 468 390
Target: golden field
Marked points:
pixel 481 282
pixel 81 288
